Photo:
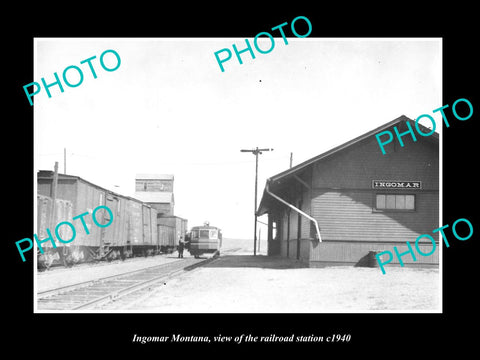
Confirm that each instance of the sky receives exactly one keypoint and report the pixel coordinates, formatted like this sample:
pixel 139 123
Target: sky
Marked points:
pixel 169 109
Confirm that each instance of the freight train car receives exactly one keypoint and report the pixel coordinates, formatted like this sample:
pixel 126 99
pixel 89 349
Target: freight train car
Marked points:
pixel 132 232
pixel 48 216
pixel 173 227
pixel 166 238
pixel 205 239
pixel 142 236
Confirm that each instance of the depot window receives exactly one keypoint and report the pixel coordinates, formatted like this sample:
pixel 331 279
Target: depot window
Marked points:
pixel 395 202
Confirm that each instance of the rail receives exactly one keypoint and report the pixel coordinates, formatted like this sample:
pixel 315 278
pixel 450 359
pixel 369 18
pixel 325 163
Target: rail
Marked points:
pixel 103 293
pixel 94 293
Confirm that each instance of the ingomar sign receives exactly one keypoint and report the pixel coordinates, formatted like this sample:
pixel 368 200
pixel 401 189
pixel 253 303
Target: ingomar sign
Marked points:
pixel 390 184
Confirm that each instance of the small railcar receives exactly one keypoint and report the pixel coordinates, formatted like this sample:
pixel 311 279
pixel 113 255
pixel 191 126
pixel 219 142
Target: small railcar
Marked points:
pixel 204 239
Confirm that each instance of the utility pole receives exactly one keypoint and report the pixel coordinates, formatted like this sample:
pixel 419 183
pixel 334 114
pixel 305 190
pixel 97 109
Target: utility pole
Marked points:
pixel 53 195
pixel 255 152
pixel 65 161
pixel 291 159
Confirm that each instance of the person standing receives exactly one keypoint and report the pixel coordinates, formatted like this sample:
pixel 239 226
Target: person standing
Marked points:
pixel 181 246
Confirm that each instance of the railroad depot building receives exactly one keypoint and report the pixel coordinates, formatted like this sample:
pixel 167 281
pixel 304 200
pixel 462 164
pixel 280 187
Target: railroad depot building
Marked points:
pixel 362 200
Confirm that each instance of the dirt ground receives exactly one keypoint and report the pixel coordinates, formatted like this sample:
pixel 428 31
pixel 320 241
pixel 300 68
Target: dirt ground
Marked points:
pixel 242 283
pixel 238 282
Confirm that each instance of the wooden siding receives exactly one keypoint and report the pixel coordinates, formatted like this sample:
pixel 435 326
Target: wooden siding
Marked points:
pixel 306 230
pixel 342 200
pixel 356 166
pixel 116 233
pixel 154 185
pixel 153 226
pixel 83 198
pixel 177 223
pixel 166 235
pixel 351 253
pixel 305 249
pixel 87 199
pixel 135 223
pixel 63 212
pixel 349 215
pixel 147 230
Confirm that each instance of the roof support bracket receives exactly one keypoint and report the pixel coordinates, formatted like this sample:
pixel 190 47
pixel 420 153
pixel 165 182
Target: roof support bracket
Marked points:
pixel 301 181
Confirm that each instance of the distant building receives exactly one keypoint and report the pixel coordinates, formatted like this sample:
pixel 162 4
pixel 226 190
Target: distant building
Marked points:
pixel 361 199
pixel 157 191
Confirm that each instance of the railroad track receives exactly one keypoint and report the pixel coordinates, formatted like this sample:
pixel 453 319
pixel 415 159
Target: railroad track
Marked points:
pixel 92 294
pixel 117 291
pixel 130 301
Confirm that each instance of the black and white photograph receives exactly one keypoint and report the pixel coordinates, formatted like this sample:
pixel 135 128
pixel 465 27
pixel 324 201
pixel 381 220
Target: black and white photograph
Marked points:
pixel 178 199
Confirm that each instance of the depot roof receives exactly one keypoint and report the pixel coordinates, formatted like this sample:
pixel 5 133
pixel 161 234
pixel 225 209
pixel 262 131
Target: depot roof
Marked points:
pixel 262 209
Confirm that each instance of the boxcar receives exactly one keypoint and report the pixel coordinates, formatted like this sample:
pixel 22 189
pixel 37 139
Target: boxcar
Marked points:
pixel 205 239
pixel 166 238
pixel 170 229
pixel 142 236
pixel 132 232
pixel 47 217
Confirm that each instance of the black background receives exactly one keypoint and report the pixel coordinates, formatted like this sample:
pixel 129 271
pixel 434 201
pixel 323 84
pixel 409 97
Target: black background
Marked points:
pixel 372 334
